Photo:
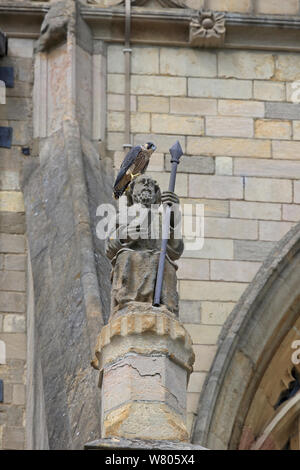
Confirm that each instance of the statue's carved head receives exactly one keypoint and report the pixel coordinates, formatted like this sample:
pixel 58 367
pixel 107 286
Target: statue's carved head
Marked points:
pixel 144 190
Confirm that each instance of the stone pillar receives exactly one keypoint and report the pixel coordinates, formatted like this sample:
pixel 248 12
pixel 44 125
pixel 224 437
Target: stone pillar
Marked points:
pixel 145 360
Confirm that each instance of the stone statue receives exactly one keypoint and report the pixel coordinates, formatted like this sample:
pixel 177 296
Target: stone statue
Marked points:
pixel 134 244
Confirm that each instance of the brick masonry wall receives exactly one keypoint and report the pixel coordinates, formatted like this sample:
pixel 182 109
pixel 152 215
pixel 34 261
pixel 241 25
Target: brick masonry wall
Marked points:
pixel 16 113
pixel 239 129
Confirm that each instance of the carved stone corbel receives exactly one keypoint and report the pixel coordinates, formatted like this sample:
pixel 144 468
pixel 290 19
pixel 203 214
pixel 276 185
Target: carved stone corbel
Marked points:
pixel 207 29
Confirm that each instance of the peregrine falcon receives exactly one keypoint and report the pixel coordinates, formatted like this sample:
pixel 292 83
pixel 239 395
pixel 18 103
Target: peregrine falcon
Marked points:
pixel 134 164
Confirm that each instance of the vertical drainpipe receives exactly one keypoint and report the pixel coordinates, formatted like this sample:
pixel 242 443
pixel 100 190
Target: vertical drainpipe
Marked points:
pixel 127 52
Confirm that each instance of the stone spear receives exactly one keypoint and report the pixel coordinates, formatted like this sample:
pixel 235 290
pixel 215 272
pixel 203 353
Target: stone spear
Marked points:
pixel 176 152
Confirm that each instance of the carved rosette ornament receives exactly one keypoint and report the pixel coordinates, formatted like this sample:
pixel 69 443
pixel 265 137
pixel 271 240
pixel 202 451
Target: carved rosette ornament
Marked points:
pixel 207 29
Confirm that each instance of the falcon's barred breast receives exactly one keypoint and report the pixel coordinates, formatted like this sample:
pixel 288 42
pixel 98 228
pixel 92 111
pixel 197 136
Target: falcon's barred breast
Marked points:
pixel 134 164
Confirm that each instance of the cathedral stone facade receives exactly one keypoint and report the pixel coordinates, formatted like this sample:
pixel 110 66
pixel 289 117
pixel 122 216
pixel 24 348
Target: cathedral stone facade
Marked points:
pixel 81 81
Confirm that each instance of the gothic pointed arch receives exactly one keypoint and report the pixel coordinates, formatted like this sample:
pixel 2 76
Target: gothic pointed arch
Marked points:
pixel 251 397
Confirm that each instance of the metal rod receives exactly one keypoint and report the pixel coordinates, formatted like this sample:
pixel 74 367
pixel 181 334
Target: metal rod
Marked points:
pixel 127 56
pixel 176 153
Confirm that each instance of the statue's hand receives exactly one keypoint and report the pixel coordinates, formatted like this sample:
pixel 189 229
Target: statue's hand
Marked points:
pixel 112 246
pixel 170 198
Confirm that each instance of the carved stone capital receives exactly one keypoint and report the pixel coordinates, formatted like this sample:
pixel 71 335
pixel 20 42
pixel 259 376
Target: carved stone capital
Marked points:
pixel 207 29
pixel 144 330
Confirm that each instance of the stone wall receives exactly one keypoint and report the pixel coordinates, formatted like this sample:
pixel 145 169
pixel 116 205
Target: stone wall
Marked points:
pixel 270 7
pixel 233 114
pixel 16 113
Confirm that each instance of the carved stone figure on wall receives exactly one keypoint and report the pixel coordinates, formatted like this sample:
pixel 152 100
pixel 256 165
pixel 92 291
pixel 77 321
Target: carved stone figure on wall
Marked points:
pixel 134 244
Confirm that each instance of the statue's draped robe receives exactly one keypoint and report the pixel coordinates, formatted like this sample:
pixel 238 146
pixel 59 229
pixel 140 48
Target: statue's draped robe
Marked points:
pixel 134 271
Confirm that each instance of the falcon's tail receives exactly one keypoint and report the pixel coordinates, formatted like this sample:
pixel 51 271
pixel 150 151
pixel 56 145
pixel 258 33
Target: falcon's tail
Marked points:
pixel 119 191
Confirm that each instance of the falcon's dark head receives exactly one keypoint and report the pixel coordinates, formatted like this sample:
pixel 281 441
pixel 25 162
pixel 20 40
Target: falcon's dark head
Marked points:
pixel 150 146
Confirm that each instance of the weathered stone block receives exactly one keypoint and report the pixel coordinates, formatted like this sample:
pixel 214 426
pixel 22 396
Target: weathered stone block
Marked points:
pixel 255 210
pixel 145 421
pixel 117 102
pixel 214 313
pixel 19 394
pixel 196 382
pixel 219 88
pixel 2 92
pixel 287 67
pixel 203 334
pixel 212 207
pixel 193 164
pixel 196 269
pixel 169 124
pixel 20 90
pixel 11 201
pixel 21 132
pixel 286 150
pixel 153 104
pixel 241 108
pixel 268 190
pixel 229 127
pixel 296 130
pixel 15 345
pixel 12 281
pixel 9 179
pixel 239 271
pixel 297 191
pixel 251 250
pixel 190 311
pixel 158 85
pixel 278 169
pixel 115 140
pixel 277 7
pixel 291 212
pixel 192 402
pixel 268 91
pixel 231 228
pixel 14 323
pixel 12 222
pixel 140 378
pixel 12 243
pixel 224 166
pixel 13 438
pixel 116 83
pixel 210 290
pixel 239 6
pixel 212 249
pixel 144 60
pixel 245 64
pixel 229 147
pixel 267 129
pixel 204 357
pixel 16 109
pixel 282 110
pixel 215 187
pixel 20 47
pixel 187 62
pixel 273 231
pixel 15 262
pixel 139 122
pixel 197 106
pixel 12 302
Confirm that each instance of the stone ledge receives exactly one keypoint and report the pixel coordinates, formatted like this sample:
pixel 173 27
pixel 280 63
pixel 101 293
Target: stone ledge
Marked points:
pixel 137 444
